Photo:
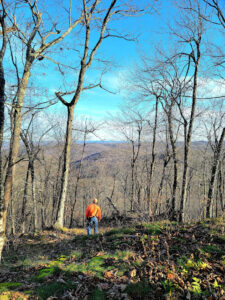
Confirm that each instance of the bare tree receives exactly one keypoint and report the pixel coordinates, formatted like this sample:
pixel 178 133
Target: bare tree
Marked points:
pixel 89 129
pixel 36 43
pixel 216 143
pixel 130 124
pixel 93 12
pixel 32 148
pixel 3 16
pixel 190 34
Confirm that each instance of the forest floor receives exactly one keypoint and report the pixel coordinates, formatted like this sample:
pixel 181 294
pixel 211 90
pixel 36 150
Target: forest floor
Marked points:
pixel 159 260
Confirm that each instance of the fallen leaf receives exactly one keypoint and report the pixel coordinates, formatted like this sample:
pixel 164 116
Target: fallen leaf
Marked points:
pixel 108 274
pixel 133 273
pixel 170 276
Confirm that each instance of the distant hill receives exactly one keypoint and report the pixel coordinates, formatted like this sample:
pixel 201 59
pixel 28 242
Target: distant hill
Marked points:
pixel 91 157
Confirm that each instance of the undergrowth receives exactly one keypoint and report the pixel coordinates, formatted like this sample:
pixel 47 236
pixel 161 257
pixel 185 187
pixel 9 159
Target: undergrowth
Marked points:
pixel 156 259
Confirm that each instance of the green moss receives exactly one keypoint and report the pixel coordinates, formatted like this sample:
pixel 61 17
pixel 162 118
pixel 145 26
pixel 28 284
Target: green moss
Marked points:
pixel 213 250
pixel 62 258
pixel 48 272
pixel 128 230
pixel 112 232
pixel 115 231
pixel 123 268
pixel 76 254
pixel 138 290
pixel 152 229
pixel 114 237
pixel 7 286
pixel 174 223
pixel 64 229
pixel 123 255
pixel 116 244
pixel 98 265
pixel 97 294
pixel 83 238
pixel 53 289
pixel 94 266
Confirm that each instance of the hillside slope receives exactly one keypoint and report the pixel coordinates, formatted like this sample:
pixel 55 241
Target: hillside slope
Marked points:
pixel 146 261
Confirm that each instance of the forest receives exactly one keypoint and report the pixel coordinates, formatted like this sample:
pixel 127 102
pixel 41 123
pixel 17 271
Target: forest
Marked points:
pixel 159 156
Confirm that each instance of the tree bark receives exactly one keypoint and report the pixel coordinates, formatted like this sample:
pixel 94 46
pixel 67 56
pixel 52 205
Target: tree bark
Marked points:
pixel 15 139
pixel 171 211
pixel 85 63
pixel 2 120
pixel 188 136
pixel 24 203
pixel 77 181
pixel 34 199
pixel 152 165
pixel 66 168
pixel 215 164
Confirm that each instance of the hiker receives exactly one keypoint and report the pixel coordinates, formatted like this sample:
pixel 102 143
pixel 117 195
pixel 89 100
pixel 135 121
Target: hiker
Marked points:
pixel 93 216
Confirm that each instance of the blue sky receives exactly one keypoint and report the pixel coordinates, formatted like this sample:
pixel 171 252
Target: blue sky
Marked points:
pixel 123 56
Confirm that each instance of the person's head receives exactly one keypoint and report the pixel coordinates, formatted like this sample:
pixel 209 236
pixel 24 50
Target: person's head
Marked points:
pixel 95 200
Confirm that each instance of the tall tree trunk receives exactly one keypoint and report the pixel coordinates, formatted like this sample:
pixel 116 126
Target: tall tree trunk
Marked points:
pixel 23 218
pixel 188 136
pixel 56 190
pixel 15 140
pixel 2 101
pixel 221 190
pixel 34 199
pixel 167 158
pixel 171 208
pixel 132 181
pixel 77 181
pixel 152 166
pixel 215 164
pixel 2 119
pixel 66 168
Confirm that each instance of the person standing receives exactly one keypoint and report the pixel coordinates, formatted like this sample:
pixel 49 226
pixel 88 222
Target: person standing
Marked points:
pixel 93 216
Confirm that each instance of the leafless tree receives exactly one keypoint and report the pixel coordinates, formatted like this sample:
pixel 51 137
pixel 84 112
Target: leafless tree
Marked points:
pixel 216 137
pixel 88 130
pixel 37 41
pixel 92 11
pixel 3 16
pixel 190 33
pixel 32 149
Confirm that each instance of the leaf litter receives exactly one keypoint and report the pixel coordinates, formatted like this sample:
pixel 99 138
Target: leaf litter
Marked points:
pixel 148 261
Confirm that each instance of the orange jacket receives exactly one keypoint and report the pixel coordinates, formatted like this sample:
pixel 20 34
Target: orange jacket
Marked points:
pixel 93 210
